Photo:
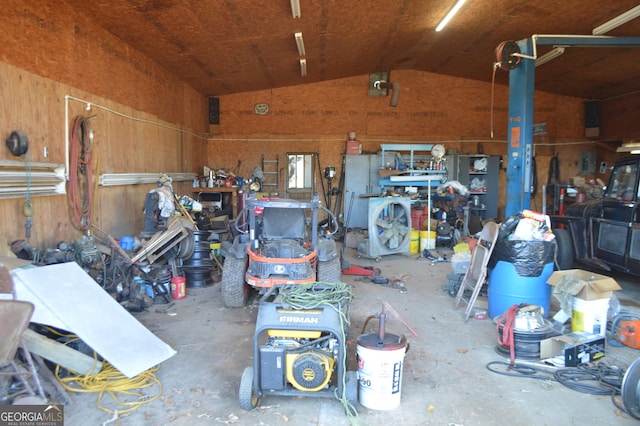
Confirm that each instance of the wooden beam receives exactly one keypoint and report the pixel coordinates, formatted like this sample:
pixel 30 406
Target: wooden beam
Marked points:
pixel 60 354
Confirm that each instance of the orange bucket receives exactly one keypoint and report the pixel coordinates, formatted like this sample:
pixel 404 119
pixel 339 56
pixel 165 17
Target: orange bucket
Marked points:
pixel 178 288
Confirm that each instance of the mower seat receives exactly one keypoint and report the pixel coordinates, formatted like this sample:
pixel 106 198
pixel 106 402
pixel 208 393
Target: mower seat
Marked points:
pixel 283 223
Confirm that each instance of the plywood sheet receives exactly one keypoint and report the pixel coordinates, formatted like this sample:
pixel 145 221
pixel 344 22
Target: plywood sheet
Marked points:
pixel 67 298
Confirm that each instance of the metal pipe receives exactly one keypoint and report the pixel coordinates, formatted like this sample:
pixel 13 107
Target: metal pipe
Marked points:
pixel 381 320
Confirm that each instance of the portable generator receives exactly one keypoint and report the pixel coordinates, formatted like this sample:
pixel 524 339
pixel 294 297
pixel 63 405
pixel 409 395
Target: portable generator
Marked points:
pixel 300 349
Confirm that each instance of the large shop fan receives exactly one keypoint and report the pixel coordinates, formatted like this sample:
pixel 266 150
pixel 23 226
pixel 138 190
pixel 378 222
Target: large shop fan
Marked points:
pixel 389 226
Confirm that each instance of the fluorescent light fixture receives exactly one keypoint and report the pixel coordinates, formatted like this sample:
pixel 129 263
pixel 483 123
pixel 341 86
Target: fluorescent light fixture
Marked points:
pixel 630 147
pixel 549 56
pixel 39 179
pixel 617 21
pixel 449 15
pixel 114 179
pixel 295 8
pixel 303 67
pixel 300 44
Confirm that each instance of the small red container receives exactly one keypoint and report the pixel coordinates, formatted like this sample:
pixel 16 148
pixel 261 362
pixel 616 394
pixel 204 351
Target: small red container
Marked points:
pixel 178 288
pixel 416 220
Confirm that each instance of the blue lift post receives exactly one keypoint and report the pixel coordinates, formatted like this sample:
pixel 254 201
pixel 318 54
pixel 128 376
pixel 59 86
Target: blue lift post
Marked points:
pixel 520 132
pixel 521 101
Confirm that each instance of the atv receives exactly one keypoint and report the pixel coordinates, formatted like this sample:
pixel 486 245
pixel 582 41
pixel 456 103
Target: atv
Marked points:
pixel 279 243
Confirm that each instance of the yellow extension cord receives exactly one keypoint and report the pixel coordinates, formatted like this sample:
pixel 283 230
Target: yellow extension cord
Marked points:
pixel 112 382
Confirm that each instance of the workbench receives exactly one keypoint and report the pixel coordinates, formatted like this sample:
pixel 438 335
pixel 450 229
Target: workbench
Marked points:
pixel 221 190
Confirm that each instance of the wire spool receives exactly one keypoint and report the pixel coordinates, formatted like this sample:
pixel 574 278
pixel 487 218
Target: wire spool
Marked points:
pixel 529 329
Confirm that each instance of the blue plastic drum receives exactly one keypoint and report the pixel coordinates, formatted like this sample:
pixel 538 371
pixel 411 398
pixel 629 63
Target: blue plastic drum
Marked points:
pixel 508 288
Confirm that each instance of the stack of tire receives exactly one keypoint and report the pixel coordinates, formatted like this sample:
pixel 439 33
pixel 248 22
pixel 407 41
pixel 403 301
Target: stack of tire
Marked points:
pixel 199 266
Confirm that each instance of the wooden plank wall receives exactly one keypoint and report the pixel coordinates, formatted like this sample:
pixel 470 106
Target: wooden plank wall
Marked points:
pixel 125 141
pixel 432 108
pixel 51 50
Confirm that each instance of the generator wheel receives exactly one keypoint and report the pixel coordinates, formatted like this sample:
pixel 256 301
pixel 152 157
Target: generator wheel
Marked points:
pixel 235 291
pixel 564 246
pixel 351 388
pixel 329 271
pixel 247 397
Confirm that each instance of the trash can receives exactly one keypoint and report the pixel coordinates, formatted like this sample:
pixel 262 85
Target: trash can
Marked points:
pixel 518 273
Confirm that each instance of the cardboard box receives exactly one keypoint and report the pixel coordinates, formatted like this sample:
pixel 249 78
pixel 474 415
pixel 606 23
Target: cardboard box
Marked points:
pixel 354 238
pixel 584 284
pixel 578 347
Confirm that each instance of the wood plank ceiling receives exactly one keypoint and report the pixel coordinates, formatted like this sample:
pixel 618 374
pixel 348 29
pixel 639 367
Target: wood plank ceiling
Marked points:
pixel 230 46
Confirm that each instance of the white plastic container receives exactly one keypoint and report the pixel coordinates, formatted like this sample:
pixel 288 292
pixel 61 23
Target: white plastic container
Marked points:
pixel 460 262
pixel 380 370
pixel 590 315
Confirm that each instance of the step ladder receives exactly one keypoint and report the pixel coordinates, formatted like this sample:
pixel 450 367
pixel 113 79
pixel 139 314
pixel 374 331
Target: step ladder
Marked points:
pixel 476 275
pixel 271 172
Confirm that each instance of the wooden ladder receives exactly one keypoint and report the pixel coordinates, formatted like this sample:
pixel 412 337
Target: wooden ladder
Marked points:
pixel 271 172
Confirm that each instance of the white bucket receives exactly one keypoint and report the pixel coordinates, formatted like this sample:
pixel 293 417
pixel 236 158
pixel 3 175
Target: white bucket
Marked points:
pixel 590 315
pixel 380 370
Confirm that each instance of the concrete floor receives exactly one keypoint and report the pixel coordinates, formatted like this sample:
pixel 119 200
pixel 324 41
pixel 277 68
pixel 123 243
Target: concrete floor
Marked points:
pixel 445 379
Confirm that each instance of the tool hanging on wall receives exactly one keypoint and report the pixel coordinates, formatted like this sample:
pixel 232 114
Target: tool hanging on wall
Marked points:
pixel 329 174
pixel 81 172
pixel 18 145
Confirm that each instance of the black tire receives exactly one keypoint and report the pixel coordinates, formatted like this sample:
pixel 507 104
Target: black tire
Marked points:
pixel 235 291
pixel 246 395
pixel 564 255
pixel 329 271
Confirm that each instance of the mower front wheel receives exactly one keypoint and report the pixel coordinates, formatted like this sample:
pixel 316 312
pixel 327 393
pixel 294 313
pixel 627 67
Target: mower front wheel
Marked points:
pixel 248 398
pixel 329 271
pixel 235 291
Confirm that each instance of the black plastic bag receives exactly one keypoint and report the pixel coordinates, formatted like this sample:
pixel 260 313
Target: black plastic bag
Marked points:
pixel 528 257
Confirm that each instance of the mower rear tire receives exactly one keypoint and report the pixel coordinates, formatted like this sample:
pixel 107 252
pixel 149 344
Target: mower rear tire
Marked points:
pixel 234 289
pixel 329 271
pixel 247 397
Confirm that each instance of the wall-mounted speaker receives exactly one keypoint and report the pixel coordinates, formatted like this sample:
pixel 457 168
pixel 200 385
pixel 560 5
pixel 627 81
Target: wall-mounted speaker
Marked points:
pixel 592 119
pixel 214 110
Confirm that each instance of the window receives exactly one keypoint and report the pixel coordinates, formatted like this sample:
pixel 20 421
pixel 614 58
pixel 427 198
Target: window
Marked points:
pixel 300 181
pixel 623 183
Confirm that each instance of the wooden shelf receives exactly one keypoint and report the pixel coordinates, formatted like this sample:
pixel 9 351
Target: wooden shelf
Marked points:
pixel 223 190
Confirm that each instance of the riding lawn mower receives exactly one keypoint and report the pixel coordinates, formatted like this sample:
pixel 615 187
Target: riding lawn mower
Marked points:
pixel 303 315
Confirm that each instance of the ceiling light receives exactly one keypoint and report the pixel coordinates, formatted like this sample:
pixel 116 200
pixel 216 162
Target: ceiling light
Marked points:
pixel 303 67
pixel 300 44
pixel 295 8
pixel 549 56
pixel 617 21
pixel 449 15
